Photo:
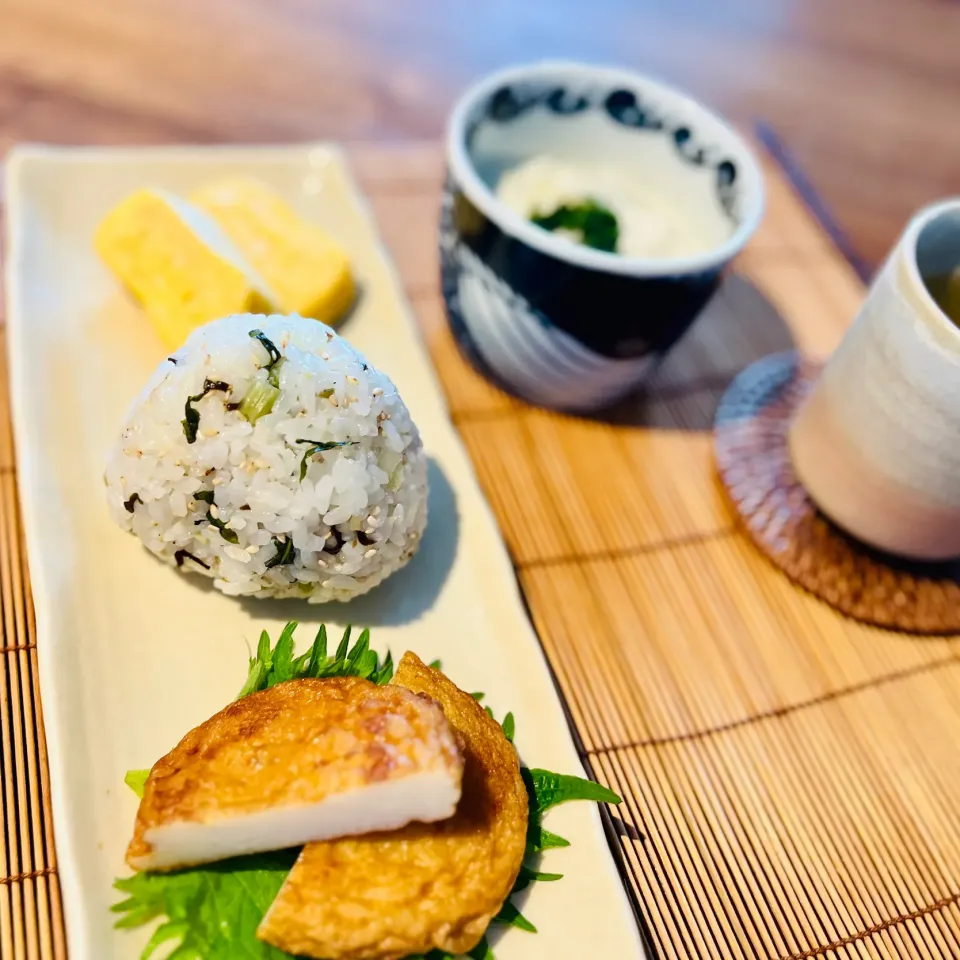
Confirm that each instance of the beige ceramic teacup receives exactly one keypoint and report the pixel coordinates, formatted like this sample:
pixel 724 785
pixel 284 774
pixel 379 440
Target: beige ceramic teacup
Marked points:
pixel 877 443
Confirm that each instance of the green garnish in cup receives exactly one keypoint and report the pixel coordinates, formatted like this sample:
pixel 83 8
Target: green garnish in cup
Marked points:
pixel 591 223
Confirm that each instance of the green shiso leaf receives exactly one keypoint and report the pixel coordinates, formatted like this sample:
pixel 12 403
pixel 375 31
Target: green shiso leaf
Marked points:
pixel 135 780
pixel 282 660
pixel 273 665
pixel 212 912
pixel 546 790
pixel 528 876
pixel 385 672
pixel 551 789
pixel 511 915
pixel 595 225
pixel 481 951
pixel 545 840
pixel 341 654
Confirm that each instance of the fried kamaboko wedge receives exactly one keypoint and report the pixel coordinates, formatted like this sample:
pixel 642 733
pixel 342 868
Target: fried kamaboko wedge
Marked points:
pixel 304 760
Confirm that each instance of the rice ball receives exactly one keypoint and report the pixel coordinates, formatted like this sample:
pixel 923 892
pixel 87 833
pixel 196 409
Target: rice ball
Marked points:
pixel 266 453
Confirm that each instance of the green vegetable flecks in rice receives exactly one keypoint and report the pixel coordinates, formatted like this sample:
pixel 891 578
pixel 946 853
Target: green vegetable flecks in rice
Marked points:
pixel 337 537
pixel 229 535
pixel 213 911
pixel 274 354
pixel 191 416
pixel 396 477
pixel 595 225
pixel 285 552
pixel 259 401
pixel 206 496
pixel 182 555
pixel 319 446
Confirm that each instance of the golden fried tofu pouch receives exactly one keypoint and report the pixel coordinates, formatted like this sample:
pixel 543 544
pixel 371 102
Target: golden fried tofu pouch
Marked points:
pixel 303 760
pixel 389 895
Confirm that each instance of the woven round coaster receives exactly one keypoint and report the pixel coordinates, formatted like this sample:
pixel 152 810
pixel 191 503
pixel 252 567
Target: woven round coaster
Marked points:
pixel 754 464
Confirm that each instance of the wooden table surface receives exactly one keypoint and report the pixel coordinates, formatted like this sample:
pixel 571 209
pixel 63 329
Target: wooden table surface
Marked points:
pixel 863 91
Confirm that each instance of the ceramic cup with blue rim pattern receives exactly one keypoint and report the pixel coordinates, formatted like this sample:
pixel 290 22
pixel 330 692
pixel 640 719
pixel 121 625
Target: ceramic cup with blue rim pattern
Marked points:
pixel 557 322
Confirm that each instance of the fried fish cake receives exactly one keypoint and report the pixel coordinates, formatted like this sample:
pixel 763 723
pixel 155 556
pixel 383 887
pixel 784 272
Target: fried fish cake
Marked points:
pixel 425 887
pixel 301 761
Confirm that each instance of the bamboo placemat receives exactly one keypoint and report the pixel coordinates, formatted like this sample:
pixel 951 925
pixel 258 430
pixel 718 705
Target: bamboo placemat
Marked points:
pixel 789 776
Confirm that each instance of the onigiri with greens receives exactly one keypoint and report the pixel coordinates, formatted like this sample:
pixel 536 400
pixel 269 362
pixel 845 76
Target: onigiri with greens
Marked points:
pixel 266 453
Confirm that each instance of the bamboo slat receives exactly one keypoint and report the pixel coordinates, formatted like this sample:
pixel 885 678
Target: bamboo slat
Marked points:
pixel 31 921
pixel 788 776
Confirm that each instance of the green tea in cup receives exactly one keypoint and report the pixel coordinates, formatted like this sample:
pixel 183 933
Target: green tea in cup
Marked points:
pixel 938 262
pixel 945 290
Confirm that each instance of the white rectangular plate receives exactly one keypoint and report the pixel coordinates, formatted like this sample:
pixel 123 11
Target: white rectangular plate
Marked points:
pixel 132 654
